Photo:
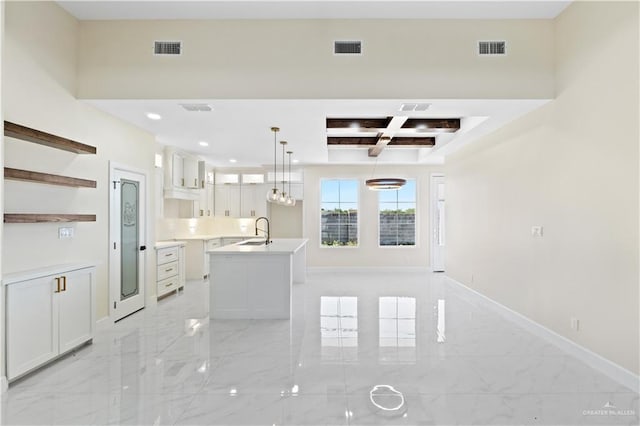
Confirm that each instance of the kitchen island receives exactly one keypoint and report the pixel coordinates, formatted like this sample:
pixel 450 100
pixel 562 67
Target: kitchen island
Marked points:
pixel 250 280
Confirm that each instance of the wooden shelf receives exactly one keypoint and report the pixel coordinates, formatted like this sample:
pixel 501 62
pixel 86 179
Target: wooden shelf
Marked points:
pixel 37 177
pixel 36 136
pixel 41 218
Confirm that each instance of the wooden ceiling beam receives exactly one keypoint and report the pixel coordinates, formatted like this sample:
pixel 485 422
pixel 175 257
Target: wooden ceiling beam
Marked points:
pixel 438 125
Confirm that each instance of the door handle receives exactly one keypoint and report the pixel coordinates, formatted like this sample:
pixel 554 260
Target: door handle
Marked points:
pixel 143 248
pixel 64 284
pixel 57 285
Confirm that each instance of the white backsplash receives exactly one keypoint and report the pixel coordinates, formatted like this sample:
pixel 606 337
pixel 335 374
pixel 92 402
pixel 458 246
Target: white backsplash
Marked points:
pixel 168 229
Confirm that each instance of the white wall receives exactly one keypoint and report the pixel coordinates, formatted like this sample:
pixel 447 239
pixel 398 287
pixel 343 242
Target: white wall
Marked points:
pixel 368 252
pixel 571 167
pixel 38 81
pixel 289 59
pixel 286 222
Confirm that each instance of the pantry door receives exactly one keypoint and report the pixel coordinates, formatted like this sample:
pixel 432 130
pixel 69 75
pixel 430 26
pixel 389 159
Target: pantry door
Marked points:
pixel 127 230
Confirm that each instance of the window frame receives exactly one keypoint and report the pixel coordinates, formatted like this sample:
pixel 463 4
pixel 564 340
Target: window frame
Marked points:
pixel 416 222
pixel 358 220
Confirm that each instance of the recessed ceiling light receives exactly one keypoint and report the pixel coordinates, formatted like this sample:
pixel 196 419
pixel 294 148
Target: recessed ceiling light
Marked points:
pixel 233 160
pixel 203 143
pixel 295 161
pixel 153 116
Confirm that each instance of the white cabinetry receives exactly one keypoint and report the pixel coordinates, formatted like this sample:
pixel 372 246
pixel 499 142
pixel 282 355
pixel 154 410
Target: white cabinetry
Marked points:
pixel 227 200
pixel 170 261
pixel 181 175
pixel 48 313
pixel 197 259
pixel 204 207
pixel 253 200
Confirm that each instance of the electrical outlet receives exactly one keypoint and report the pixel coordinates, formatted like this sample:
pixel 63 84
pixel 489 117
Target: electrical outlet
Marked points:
pixel 575 324
pixel 536 231
pixel 65 232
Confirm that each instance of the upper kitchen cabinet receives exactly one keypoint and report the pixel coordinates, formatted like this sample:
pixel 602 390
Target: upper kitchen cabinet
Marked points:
pixel 182 178
pixel 204 207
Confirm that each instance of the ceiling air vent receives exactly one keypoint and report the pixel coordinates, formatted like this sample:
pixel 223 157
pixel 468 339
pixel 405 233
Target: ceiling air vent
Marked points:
pixel 347 47
pixel 197 107
pixel 167 48
pixel 492 47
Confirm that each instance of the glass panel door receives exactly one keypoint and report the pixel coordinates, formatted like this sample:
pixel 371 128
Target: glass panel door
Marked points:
pixel 129 234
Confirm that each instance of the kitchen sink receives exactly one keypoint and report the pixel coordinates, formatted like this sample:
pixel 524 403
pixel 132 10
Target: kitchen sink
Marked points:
pixel 253 243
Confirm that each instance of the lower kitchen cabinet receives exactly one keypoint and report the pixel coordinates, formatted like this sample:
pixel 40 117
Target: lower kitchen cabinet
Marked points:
pixel 48 313
pixel 170 264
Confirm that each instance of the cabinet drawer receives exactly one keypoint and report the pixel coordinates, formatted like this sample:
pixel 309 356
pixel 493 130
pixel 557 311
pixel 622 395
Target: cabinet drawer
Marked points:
pixel 168 285
pixel 166 255
pixel 167 270
pixel 211 244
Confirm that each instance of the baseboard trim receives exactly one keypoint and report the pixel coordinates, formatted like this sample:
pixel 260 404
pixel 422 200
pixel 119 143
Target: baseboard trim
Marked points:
pixel 104 323
pixel 609 368
pixel 356 269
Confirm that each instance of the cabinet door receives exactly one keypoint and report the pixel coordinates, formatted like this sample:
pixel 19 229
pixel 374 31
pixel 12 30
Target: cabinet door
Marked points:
pixel 177 170
pixel 75 309
pixel 210 190
pixel 234 200
pixel 260 199
pixel 32 326
pixel 191 173
pixel 221 199
pixel 247 195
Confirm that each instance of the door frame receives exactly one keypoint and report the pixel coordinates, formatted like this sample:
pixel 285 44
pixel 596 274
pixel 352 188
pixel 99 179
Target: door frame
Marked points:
pixel 433 200
pixel 114 234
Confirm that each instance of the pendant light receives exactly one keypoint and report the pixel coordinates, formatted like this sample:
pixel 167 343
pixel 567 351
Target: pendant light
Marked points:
pixel 283 195
pixel 290 200
pixel 274 195
pixel 383 184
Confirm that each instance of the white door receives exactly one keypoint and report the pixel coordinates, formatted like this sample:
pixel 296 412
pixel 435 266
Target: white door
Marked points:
pixel 127 229
pixel 437 223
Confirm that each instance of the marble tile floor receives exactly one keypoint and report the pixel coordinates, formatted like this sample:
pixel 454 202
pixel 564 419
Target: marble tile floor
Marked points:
pixel 363 348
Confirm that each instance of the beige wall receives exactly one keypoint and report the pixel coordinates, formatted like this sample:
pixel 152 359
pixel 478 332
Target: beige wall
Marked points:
pixel 368 253
pixel 289 59
pixel 571 167
pixel 286 222
pixel 39 76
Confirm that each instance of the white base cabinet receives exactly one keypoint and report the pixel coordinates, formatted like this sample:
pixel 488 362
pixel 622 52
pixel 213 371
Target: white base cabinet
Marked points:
pixel 170 264
pixel 47 316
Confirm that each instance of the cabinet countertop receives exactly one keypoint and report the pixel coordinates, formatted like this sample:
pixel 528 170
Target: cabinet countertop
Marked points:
pixel 212 236
pixel 165 244
pixel 16 277
pixel 277 246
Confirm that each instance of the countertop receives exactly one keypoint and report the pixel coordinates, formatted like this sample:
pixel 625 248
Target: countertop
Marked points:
pixel 165 244
pixel 211 236
pixel 277 246
pixel 16 277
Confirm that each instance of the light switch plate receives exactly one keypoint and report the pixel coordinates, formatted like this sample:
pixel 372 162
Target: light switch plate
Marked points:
pixel 65 232
pixel 536 231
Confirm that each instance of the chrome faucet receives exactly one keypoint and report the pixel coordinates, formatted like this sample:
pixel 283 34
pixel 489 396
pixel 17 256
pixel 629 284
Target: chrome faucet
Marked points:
pixel 268 231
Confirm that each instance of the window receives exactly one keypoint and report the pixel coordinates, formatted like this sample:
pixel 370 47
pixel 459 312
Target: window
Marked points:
pixel 339 206
pixel 397 216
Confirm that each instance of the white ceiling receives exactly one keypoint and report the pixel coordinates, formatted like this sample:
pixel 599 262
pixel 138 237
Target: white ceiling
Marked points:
pixel 313 9
pixel 240 129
